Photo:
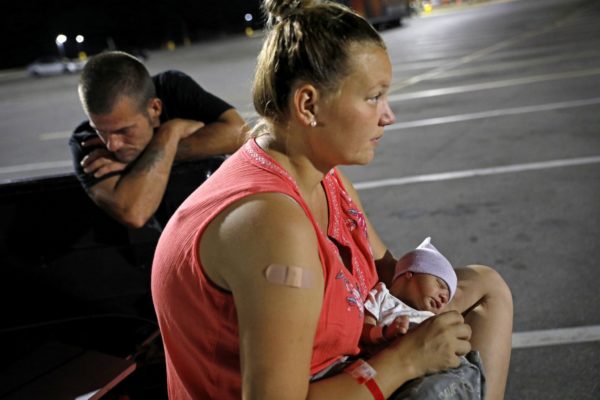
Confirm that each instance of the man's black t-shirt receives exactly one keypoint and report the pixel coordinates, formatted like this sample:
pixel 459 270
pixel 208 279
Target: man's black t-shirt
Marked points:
pixel 181 97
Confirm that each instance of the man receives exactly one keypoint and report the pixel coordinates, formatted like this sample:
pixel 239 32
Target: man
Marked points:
pixel 138 127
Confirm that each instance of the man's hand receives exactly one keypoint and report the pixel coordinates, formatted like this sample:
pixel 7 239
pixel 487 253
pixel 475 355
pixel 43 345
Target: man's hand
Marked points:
pixel 100 162
pixel 94 141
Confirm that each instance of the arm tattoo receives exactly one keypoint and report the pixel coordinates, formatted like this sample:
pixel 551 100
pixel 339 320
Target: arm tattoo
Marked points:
pixel 150 158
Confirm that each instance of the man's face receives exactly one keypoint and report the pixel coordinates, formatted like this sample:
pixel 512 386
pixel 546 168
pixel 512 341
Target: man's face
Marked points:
pixel 126 130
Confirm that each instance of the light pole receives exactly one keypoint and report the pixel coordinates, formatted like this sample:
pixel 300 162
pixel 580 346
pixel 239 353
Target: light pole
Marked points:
pixel 60 43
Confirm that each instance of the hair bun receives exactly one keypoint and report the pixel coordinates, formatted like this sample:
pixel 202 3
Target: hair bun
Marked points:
pixel 277 10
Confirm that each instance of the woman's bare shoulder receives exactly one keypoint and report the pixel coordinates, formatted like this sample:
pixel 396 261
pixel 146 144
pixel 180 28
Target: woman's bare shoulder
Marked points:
pixel 258 230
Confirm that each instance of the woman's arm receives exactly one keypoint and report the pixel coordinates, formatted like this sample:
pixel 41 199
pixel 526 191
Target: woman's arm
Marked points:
pixel 482 297
pixel 277 323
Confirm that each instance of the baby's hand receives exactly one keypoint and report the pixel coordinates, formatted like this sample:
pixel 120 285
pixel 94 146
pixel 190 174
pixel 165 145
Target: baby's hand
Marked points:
pixel 398 327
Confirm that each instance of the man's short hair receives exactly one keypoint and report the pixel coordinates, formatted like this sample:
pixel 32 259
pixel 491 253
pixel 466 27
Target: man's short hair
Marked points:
pixel 108 76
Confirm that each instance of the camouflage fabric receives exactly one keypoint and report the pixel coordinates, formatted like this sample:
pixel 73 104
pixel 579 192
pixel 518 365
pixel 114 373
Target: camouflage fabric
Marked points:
pixel 466 382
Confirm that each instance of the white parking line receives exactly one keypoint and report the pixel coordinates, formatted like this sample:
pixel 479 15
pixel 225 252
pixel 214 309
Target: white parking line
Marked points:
pixel 493 113
pixel 404 65
pixel 55 135
pixel 11 74
pixel 498 61
pixel 500 66
pixel 488 50
pixel 556 336
pixel 493 85
pixel 35 166
pixel 444 176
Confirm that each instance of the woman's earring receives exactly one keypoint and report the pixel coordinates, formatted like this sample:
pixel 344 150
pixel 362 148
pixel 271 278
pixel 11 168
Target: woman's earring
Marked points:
pixel 313 123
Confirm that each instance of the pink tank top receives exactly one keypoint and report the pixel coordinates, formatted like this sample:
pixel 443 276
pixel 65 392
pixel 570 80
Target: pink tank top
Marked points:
pixel 198 319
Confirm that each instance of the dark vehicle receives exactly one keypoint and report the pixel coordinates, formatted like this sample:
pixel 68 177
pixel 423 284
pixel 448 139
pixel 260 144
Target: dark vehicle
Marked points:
pixel 381 13
pixel 77 316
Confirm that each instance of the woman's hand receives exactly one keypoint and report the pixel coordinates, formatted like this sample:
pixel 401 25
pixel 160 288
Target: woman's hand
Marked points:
pixel 436 344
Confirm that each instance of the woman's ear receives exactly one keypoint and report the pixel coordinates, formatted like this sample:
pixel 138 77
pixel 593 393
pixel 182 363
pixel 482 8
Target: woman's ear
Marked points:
pixel 304 104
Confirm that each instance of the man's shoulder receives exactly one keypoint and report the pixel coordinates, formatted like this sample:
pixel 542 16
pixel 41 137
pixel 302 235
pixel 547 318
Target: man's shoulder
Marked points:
pixel 81 133
pixel 170 76
pixel 171 73
pixel 173 85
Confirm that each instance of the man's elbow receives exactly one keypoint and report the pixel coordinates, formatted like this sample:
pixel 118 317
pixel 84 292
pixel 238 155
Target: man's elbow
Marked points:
pixel 129 216
pixel 238 129
pixel 133 218
pixel 129 210
pixel 135 222
pixel 244 132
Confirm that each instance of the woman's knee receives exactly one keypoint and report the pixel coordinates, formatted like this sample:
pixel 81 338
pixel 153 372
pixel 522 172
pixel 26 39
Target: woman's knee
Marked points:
pixel 496 286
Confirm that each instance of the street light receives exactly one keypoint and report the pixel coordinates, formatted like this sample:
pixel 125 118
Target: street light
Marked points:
pixel 60 42
pixel 80 52
pixel 248 18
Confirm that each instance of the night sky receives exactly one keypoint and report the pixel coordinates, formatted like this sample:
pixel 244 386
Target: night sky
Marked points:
pixel 30 27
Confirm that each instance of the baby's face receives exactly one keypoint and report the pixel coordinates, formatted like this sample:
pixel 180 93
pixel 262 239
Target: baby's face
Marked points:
pixel 426 292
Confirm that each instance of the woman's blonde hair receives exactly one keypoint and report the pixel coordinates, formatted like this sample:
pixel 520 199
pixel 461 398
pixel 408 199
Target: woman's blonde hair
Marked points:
pixel 308 41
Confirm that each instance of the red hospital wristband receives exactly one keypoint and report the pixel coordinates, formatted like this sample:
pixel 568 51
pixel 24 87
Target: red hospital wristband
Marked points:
pixel 363 373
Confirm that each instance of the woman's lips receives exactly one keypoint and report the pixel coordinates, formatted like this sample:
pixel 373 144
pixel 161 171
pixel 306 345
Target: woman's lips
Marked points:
pixel 376 139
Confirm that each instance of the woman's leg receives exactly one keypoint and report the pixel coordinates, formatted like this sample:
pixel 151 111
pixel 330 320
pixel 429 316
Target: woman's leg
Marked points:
pixel 486 303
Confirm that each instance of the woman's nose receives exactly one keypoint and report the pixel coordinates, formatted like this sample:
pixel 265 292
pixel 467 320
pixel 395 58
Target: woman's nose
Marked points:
pixel 388 117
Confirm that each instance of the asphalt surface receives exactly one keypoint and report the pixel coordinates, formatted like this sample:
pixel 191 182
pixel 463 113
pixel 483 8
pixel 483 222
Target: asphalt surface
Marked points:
pixel 495 154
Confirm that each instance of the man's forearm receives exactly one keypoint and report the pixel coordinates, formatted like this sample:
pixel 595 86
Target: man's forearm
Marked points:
pixel 219 137
pixel 136 195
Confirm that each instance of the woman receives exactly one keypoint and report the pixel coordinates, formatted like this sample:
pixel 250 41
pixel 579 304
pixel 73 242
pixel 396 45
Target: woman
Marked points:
pixel 259 278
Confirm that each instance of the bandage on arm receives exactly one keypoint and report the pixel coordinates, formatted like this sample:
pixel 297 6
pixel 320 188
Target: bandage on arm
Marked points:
pixel 288 275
